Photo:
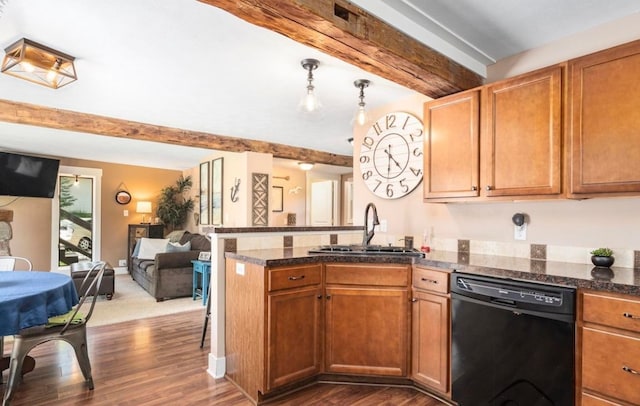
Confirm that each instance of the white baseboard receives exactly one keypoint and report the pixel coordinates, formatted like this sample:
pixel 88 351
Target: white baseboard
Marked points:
pixel 217 366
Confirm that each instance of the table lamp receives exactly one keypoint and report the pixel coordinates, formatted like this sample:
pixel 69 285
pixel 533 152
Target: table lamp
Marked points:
pixel 144 208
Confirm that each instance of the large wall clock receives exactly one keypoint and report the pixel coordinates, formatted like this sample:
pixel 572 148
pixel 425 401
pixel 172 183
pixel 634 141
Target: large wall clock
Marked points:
pixel 391 155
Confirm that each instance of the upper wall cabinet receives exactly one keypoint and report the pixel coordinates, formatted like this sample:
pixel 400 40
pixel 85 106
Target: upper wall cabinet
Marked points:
pixel 501 140
pixel 522 135
pixel 604 122
pixel 451 165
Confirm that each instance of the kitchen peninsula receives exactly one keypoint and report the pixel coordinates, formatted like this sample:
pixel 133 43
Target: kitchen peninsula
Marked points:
pixel 294 318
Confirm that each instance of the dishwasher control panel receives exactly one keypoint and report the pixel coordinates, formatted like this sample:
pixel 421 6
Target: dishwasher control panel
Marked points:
pixel 509 293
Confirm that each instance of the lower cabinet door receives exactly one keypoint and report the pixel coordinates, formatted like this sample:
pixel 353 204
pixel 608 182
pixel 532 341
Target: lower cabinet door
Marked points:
pixel 430 340
pixel 611 364
pixel 366 331
pixel 294 336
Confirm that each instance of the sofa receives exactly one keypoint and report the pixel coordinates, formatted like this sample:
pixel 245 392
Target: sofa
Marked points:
pixel 169 273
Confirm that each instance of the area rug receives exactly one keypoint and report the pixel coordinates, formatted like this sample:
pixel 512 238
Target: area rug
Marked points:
pixel 131 302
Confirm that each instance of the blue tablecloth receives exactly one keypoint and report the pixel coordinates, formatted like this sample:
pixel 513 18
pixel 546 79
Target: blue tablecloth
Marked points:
pixel 28 299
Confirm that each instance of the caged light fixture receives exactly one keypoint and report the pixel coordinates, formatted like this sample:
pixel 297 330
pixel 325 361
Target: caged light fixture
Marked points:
pixel 310 102
pixel 361 114
pixel 40 64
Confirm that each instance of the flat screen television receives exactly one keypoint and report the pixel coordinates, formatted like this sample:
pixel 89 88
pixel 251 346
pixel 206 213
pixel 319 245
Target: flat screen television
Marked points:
pixel 27 176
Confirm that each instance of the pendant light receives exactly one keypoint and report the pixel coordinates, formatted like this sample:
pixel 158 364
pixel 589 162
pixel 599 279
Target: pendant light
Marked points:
pixel 361 117
pixel 309 102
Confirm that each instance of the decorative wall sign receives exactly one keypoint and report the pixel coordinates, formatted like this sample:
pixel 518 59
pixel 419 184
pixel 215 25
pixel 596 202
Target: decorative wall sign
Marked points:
pixel 277 198
pixel 216 191
pixel 204 193
pixel 259 199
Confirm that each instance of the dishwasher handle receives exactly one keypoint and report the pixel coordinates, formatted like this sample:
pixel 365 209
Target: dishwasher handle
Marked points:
pixel 503 302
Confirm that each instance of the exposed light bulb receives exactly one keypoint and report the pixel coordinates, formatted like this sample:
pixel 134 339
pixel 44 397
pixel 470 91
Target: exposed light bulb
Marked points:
pixel 52 76
pixel 28 67
pixel 361 115
pixel 310 101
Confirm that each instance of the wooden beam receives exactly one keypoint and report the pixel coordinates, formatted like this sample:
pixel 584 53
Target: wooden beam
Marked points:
pixel 23 113
pixel 340 29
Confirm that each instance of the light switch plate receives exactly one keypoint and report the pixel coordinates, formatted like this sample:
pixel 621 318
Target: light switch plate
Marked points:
pixel 520 232
pixel 240 269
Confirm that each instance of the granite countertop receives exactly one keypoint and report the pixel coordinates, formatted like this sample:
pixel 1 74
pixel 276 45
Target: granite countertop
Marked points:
pixel 618 280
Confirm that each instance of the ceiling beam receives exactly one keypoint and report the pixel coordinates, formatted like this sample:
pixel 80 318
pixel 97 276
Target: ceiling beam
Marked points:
pixel 30 114
pixel 345 31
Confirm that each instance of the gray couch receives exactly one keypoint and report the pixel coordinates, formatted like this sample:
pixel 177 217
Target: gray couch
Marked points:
pixel 170 274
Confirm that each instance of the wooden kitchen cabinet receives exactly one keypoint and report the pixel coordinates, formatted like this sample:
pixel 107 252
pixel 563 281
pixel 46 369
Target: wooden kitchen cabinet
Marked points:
pixel 430 341
pixel 294 325
pixel 522 135
pixel 609 363
pixel 367 319
pixel 273 325
pixel 499 141
pixel 603 141
pixel 452 146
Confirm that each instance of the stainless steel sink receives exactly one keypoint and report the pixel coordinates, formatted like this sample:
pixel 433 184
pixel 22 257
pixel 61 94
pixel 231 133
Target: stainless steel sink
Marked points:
pixel 367 250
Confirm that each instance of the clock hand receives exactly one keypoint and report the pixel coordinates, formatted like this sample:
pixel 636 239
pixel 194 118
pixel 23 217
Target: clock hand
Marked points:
pixel 392 158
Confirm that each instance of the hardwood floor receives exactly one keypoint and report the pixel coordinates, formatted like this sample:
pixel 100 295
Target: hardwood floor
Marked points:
pixel 157 361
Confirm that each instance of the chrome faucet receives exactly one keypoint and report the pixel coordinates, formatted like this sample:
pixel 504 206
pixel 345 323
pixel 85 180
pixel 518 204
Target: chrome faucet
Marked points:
pixel 368 234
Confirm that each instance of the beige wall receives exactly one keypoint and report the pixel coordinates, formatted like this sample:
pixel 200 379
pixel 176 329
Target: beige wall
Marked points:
pixel 32 223
pixel 612 222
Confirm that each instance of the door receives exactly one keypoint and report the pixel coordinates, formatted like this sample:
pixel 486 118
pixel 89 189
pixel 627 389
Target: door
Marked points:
pixel 322 203
pixel 76 216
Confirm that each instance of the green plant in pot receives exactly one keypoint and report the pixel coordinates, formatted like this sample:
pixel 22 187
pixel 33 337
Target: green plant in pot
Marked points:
pixel 602 257
pixel 174 204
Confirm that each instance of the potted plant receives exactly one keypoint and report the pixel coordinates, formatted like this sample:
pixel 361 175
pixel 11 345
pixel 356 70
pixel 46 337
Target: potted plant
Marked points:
pixel 602 257
pixel 174 204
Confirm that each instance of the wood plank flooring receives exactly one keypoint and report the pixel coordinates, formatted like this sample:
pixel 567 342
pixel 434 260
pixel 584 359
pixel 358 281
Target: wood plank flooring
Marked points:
pixel 157 361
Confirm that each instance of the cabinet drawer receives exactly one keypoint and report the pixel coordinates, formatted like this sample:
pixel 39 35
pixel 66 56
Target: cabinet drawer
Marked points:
pixel 591 400
pixel 367 274
pixel 611 364
pixel 431 279
pixel 612 311
pixel 294 277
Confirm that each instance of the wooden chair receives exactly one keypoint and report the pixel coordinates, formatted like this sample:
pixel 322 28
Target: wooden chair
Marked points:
pixel 70 327
pixel 8 263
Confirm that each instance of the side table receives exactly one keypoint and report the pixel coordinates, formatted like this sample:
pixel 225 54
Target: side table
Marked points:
pixel 201 275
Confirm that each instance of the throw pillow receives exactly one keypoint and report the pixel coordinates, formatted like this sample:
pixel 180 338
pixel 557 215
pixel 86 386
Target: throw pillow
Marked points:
pixel 175 235
pixel 177 247
pixel 149 247
pixel 136 250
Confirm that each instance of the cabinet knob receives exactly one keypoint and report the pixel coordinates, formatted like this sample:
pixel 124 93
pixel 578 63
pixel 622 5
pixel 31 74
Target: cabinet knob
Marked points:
pixel 631 316
pixel 319 296
pixel 414 299
pixel 630 370
pixel 328 297
pixel 488 187
pixel 474 188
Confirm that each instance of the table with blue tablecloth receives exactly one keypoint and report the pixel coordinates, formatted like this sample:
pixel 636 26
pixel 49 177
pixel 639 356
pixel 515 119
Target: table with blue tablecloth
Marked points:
pixel 29 298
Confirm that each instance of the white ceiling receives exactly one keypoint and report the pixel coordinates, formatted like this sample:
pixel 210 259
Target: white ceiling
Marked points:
pixel 184 64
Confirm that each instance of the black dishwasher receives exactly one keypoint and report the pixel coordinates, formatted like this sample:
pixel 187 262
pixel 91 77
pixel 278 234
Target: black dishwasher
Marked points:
pixel 512 342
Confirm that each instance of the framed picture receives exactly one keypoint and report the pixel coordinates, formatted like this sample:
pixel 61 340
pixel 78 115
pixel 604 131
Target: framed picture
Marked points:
pixel 277 197
pixel 204 256
pixel 216 191
pixel 204 193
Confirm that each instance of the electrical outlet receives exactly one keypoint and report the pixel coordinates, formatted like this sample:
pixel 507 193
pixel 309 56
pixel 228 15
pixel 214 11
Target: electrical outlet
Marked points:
pixel 125 213
pixel 520 232
pixel 122 262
